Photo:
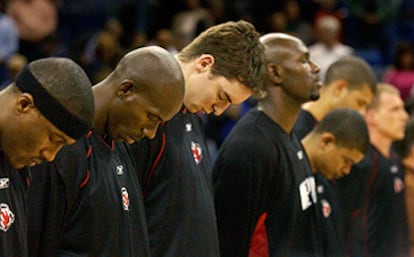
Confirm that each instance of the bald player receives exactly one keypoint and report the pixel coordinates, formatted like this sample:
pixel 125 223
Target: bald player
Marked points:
pixel 49 105
pixel 91 203
pixel 265 194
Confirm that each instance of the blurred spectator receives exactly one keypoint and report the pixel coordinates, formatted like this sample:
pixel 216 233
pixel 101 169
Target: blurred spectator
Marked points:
pixel 295 24
pixel 401 73
pixel 187 24
pixel 371 29
pixel 9 40
pixel 14 65
pixel 332 8
pixel 106 55
pixel 52 46
pixel 277 22
pixel 328 47
pixel 405 23
pixel 35 19
pixel 113 28
pixel 165 39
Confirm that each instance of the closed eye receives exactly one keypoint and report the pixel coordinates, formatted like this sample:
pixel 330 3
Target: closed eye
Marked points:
pixel 153 117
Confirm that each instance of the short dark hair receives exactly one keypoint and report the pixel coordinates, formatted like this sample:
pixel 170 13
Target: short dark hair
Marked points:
pixel 354 70
pixel 403 146
pixel 66 81
pixel 237 51
pixel 348 127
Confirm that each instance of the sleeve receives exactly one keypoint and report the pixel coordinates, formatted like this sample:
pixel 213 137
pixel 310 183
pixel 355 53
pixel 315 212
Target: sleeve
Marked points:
pixel 53 191
pixel 241 178
pixel 72 164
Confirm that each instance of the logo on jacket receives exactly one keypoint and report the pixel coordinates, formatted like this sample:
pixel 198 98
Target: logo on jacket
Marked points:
pixel 188 127
pixel 398 185
pixel 125 199
pixel 119 170
pixel 197 152
pixel 6 217
pixel 326 208
pixel 394 169
pixel 4 183
pixel 307 190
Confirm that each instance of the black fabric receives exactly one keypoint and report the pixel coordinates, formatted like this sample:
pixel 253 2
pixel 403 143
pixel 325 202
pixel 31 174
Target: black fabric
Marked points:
pixel 331 216
pixel 304 124
pixel 50 107
pixel 51 194
pixel 177 190
pixel 98 219
pixel 261 170
pixel 378 226
pixel 332 222
pixel 13 221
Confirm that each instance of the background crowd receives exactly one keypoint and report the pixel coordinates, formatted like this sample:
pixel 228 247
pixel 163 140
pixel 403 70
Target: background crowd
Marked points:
pixel 97 33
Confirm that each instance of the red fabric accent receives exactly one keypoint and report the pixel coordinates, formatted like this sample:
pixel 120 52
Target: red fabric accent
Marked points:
pixel 27 181
pixel 164 141
pixel 86 179
pixel 89 152
pixel 259 245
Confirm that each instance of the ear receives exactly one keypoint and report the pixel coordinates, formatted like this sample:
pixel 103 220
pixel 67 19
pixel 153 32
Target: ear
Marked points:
pixel 275 73
pixel 340 88
pixel 205 62
pixel 24 102
pixel 126 88
pixel 327 139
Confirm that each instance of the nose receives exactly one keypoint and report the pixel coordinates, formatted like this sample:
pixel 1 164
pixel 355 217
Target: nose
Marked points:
pixel 151 131
pixel 346 170
pixel 406 116
pixel 315 68
pixel 49 153
pixel 219 108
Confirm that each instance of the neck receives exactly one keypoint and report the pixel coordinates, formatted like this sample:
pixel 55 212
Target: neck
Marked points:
pixel 281 108
pixel 381 143
pixel 187 69
pixel 100 93
pixel 308 146
pixel 318 108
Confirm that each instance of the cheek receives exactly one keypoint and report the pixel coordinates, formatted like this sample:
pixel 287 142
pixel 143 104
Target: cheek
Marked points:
pixel 23 146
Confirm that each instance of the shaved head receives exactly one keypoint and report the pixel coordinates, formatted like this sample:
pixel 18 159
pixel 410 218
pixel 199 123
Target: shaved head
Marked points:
pixel 278 46
pixel 156 73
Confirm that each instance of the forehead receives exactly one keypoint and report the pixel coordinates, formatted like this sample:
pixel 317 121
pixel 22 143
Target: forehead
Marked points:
pixel 236 91
pixel 284 47
pixel 363 92
pixel 389 100
pixel 52 130
pixel 350 153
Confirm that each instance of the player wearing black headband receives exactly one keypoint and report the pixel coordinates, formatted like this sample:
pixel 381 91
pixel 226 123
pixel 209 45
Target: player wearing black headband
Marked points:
pixel 49 105
pixel 92 205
